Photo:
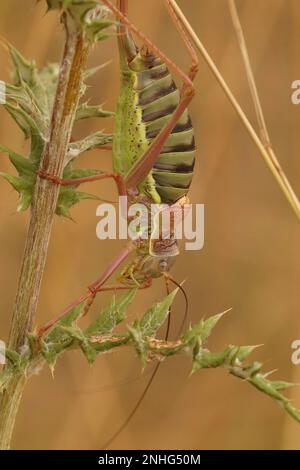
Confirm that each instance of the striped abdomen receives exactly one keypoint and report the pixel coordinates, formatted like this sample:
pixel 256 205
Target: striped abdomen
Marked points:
pixel 158 97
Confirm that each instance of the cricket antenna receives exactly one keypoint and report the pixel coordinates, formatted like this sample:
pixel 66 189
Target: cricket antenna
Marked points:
pixel 170 278
pixel 144 393
pixel 134 410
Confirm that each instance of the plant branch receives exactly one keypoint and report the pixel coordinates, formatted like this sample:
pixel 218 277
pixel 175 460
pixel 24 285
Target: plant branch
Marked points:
pixel 269 157
pixel 42 213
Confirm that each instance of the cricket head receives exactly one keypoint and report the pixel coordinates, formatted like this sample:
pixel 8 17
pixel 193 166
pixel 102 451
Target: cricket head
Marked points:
pixel 150 263
pixel 155 266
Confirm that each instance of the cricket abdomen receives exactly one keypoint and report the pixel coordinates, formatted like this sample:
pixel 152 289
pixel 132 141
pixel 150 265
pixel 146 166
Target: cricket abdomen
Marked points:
pixel 158 97
pixel 148 98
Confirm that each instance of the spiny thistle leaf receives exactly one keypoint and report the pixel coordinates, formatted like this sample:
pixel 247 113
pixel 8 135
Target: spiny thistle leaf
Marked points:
pixel 97 334
pixel 13 357
pixel 27 97
pixel 69 196
pixel 202 330
pixel 138 340
pixel 147 327
pixel 99 338
pixel 5 377
pixel 111 315
pixel 156 315
pixel 91 142
pixel 282 385
pixel 102 344
pixel 24 183
pixel 243 352
pixel 25 122
pixel 291 410
pixel 94 70
pixel 92 346
pixel 86 111
pixel 24 72
pixel 23 186
pixel 48 77
pixel 205 359
pixel 25 102
pixel 266 386
pixel 23 166
pixel 91 16
pixel 15 363
pixel 59 338
pixel 29 100
pixel 165 348
pixel 28 112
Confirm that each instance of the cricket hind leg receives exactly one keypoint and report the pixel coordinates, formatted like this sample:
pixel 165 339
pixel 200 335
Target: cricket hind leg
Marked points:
pixel 142 167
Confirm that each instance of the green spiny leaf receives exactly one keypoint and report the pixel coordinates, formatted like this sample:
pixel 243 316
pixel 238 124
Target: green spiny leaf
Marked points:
pixel 17 183
pixel 91 142
pixel 68 320
pixel 35 116
pixel 70 173
pixel 88 14
pixel 50 353
pixel 206 359
pixel 5 376
pixel 25 71
pixel 48 78
pixel 101 344
pixel 68 195
pixel 138 340
pixel 30 103
pixel 74 332
pixel 111 315
pixel 23 165
pixel 94 29
pixel 282 385
pixel 156 315
pixel 21 118
pixel 203 329
pixel 85 111
pixel 265 385
pixel 25 200
pixel 243 352
pixel 60 338
pixel 94 70
pixel 292 411
pixel 24 183
pixel 68 198
pixel 13 357
pixel 165 348
pixel 27 77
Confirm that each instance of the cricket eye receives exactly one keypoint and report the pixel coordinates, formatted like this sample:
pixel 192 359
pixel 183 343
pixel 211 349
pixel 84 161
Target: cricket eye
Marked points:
pixel 163 265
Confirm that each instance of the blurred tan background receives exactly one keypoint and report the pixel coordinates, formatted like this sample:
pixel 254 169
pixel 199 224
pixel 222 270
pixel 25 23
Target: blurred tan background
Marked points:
pixel 250 261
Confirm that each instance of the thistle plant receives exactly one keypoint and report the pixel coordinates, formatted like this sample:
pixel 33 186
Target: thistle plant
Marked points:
pixel 45 104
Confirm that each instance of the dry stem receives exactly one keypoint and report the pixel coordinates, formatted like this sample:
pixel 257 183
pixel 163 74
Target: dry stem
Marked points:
pixel 268 155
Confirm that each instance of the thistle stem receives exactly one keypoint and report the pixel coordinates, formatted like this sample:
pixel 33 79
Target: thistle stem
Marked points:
pixel 42 214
